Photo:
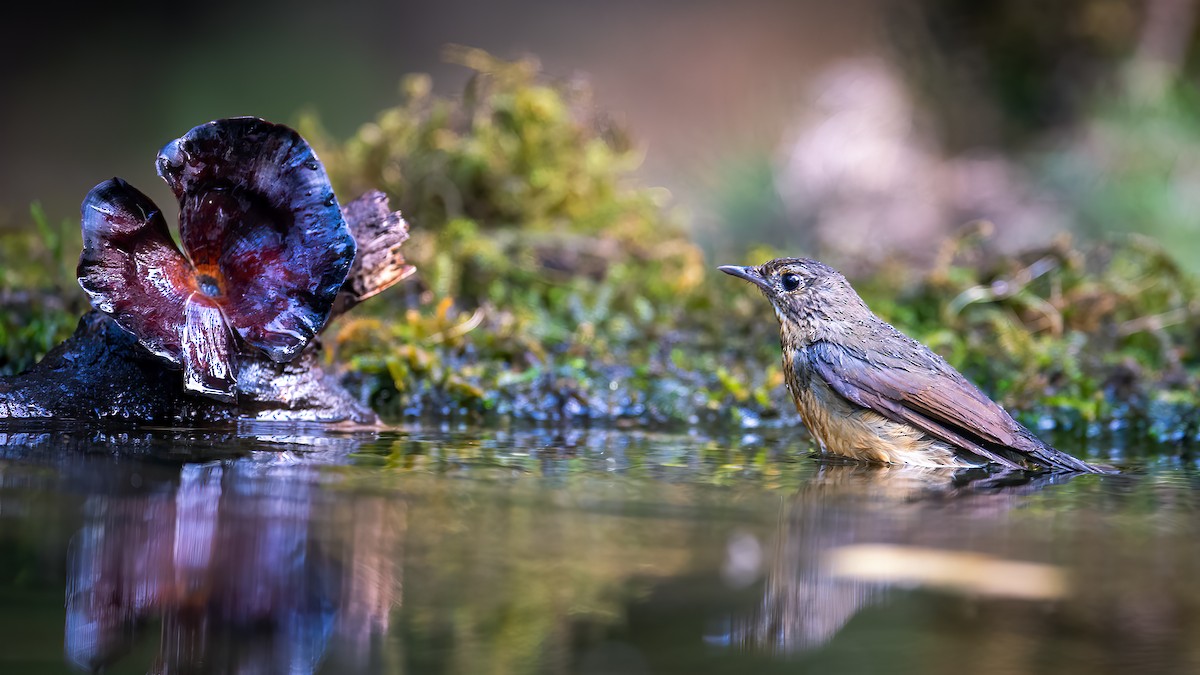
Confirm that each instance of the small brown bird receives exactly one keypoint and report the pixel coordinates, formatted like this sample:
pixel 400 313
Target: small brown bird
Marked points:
pixel 869 392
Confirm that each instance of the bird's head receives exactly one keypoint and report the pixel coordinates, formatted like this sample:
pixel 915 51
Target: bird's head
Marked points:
pixel 801 289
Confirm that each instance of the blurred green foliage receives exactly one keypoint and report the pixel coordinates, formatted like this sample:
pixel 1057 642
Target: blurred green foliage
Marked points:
pixel 552 285
pixel 556 286
pixel 541 258
pixel 1134 167
pixel 40 302
pixel 1082 333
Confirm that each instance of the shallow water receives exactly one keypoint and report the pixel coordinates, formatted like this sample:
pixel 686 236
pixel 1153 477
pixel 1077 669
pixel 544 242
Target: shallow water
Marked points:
pixel 285 549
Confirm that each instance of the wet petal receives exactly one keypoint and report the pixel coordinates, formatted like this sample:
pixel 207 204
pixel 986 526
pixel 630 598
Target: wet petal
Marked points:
pixel 259 217
pixel 207 344
pixel 131 268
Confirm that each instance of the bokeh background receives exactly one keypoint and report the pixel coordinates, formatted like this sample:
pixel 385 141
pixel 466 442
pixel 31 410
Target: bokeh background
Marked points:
pixel 857 130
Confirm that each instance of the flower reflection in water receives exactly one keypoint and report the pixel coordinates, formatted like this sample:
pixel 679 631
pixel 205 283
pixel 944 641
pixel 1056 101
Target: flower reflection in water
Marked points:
pixel 244 574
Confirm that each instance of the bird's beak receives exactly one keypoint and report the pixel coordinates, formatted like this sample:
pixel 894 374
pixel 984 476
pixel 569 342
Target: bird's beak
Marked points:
pixel 748 273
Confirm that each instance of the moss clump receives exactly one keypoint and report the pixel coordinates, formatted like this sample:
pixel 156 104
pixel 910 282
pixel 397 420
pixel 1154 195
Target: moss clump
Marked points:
pixel 542 261
pixel 1082 333
pixel 555 286
pixel 520 195
pixel 39 300
pixel 552 285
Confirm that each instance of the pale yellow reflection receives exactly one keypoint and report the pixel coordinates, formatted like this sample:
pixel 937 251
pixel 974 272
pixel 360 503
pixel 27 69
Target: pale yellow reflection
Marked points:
pixel 856 533
pixel 957 571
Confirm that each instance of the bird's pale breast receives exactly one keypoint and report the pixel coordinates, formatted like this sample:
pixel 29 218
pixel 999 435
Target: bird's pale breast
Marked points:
pixel 848 430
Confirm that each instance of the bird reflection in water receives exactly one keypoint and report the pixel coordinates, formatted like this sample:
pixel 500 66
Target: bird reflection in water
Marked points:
pixel 243 574
pixel 855 532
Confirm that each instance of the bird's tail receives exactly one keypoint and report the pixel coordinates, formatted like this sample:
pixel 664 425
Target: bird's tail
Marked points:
pixel 1037 450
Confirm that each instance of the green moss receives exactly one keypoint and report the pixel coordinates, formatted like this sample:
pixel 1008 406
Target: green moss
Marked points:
pixel 1075 330
pixel 40 302
pixel 545 267
pixel 553 284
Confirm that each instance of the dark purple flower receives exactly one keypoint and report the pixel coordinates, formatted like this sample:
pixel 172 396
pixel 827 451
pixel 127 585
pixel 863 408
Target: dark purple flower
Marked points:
pixel 265 250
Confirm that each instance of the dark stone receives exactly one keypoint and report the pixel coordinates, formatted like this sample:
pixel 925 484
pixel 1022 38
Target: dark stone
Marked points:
pixel 102 373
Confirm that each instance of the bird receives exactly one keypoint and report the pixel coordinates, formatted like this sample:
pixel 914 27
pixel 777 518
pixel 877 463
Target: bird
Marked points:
pixel 868 392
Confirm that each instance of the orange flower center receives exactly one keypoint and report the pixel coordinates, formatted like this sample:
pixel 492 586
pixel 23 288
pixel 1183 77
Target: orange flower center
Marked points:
pixel 209 284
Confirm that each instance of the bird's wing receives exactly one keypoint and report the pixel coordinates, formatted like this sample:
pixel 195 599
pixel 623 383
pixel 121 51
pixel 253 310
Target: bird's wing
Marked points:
pixel 923 390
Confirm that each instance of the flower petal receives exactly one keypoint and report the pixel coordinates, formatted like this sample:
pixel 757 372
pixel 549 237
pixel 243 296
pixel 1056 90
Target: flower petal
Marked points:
pixel 207 344
pixel 131 268
pixel 258 215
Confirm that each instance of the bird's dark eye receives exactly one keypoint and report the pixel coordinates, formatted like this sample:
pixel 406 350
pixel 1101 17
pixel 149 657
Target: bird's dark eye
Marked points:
pixel 790 281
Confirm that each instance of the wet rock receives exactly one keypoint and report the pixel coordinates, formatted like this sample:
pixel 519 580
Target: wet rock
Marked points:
pixel 102 373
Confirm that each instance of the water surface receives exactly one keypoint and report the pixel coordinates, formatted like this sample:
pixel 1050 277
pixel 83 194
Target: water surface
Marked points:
pixel 286 549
